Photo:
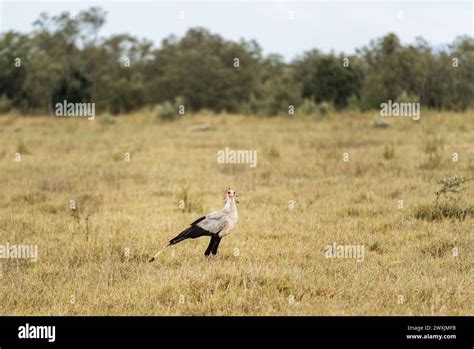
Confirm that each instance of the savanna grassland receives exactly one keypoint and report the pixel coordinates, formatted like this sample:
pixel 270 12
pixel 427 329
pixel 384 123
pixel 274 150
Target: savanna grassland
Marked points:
pixel 299 198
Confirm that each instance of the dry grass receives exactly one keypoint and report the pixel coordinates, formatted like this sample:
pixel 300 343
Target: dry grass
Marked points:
pixel 94 261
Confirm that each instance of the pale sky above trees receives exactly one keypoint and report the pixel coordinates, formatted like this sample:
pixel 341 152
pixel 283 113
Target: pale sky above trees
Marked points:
pixel 279 27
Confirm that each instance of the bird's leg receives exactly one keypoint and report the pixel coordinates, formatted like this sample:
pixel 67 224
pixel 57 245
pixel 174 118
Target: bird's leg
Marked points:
pixel 216 245
pixel 209 248
pixel 212 249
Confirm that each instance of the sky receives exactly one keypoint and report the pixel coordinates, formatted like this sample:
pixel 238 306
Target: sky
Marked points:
pixel 286 28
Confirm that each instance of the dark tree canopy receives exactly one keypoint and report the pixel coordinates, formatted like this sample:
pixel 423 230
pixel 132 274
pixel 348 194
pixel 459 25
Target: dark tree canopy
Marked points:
pixel 65 58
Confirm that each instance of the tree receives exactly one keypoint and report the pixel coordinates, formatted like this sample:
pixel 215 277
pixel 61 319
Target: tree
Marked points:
pixel 334 82
pixel 277 89
pixel 204 69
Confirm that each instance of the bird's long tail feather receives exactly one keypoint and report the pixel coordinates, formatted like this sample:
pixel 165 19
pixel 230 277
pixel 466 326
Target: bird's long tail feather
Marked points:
pixel 157 254
pixel 192 232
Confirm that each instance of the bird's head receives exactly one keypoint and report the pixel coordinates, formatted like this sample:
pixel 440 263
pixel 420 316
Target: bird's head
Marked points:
pixel 231 194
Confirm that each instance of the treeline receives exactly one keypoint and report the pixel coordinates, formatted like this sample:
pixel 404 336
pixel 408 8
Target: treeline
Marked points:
pixel 64 58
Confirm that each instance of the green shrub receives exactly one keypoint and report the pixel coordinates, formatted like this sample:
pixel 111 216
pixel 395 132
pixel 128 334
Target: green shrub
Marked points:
pixel 274 152
pixel 451 185
pixel 22 148
pixel 381 122
pixel 188 203
pixel 168 110
pixel 388 151
pixel 308 107
pixel 406 97
pixel 5 104
pixel 106 119
pixel 354 103
pixel 325 108
pixel 448 203
pixel 165 111
pixel 433 147
pixel 445 210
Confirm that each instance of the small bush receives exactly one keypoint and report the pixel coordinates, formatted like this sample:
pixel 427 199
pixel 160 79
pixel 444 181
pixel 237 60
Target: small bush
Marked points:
pixel 308 107
pixel 354 103
pixel 168 110
pixel 5 104
pixel 433 147
pixel 380 122
pixel 31 198
pixel 324 109
pixel 438 249
pixel 388 152
pixel 451 206
pixel 187 203
pixel 22 149
pixel 406 97
pixel 165 111
pixel 274 152
pixel 376 247
pixel 451 185
pixel 82 208
pixel 106 119
pixel 445 210
pixel 353 212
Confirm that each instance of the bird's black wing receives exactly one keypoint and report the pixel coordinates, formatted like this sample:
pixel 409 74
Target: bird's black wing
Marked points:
pixel 198 220
pixel 193 232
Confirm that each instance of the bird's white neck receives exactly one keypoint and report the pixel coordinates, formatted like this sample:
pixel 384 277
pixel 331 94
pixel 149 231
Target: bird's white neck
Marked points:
pixel 231 208
pixel 230 204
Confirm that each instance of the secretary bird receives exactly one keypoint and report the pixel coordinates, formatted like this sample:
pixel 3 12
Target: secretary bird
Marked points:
pixel 216 225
